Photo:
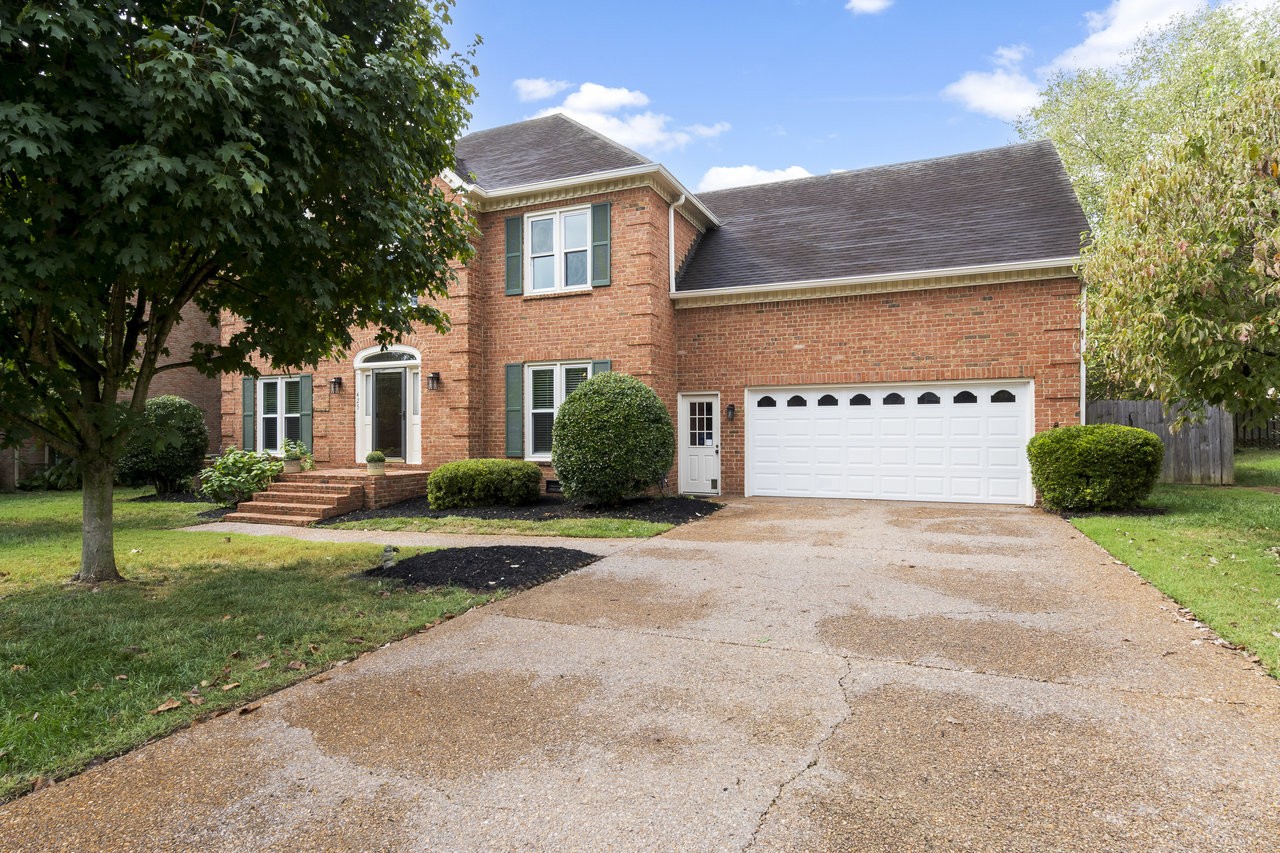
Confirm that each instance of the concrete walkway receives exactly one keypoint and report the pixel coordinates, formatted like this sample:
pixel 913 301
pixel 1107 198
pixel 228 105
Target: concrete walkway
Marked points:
pixel 786 675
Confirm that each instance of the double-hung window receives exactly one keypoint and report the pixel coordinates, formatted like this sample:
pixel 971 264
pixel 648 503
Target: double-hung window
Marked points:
pixel 546 387
pixel 280 412
pixel 558 250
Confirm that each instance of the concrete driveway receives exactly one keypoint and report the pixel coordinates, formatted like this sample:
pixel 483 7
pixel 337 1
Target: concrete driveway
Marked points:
pixel 786 675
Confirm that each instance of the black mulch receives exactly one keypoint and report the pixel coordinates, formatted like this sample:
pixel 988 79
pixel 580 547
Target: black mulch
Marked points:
pixel 674 510
pixel 486 568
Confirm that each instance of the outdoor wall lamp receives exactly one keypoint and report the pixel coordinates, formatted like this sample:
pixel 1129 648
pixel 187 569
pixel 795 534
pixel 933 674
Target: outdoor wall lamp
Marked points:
pixel 433 380
pixel 335 385
pixel 731 411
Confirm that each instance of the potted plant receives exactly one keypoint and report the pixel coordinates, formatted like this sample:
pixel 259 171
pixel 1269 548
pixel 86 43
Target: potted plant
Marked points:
pixel 376 463
pixel 292 461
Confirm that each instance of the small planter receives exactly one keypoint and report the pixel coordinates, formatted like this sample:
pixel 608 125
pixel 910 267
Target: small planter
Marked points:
pixel 293 466
pixel 376 469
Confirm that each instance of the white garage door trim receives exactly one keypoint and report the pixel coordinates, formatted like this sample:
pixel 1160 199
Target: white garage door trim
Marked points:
pixel 962 452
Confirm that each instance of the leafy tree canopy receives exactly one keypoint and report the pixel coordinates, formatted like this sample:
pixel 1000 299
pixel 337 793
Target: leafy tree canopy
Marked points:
pixel 270 158
pixel 1105 120
pixel 1184 273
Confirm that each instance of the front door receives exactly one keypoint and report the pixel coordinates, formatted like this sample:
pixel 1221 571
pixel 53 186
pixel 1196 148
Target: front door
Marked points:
pixel 389 412
pixel 700 443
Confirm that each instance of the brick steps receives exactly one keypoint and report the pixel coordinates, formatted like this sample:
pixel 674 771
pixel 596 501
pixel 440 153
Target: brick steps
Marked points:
pixel 298 503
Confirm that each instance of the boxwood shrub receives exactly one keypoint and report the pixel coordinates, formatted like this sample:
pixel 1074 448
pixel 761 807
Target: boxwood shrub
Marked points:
pixel 1095 467
pixel 612 438
pixel 483 482
pixel 168 447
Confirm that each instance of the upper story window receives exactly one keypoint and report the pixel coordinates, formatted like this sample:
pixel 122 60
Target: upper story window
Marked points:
pixel 559 247
pixel 558 250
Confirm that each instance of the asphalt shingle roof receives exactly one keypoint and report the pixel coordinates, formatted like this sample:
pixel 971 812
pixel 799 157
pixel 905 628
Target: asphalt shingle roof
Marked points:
pixel 1001 205
pixel 541 149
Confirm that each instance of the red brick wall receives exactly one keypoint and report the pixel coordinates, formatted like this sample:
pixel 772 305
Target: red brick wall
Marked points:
pixel 1028 330
pixel 204 391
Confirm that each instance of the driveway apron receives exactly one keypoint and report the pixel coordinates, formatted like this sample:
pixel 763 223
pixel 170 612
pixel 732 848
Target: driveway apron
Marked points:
pixel 785 675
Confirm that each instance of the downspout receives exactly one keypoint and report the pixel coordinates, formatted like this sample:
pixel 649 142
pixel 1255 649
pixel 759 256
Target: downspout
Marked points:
pixel 671 240
pixel 1084 379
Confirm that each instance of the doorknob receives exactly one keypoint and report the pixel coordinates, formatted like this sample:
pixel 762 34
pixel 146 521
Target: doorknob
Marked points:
pixel 717 450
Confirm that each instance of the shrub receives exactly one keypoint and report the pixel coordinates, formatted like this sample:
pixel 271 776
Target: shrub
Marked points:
pixel 237 474
pixel 483 482
pixel 167 448
pixel 61 476
pixel 1096 467
pixel 612 438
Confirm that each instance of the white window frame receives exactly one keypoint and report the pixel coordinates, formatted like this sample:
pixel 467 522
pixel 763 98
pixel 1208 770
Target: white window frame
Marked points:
pixel 558 396
pixel 280 416
pixel 558 250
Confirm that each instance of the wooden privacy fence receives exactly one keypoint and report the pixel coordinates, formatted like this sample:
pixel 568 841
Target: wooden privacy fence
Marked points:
pixel 1266 436
pixel 1198 453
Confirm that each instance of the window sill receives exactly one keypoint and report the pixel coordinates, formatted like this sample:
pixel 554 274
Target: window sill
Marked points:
pixel 555 294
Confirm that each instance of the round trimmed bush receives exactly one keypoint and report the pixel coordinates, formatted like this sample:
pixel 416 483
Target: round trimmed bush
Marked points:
pixel 167 448
pixel 612 438
pixel 1095 467
pixel 484 482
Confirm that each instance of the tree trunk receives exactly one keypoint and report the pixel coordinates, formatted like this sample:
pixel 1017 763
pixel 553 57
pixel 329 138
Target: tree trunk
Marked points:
pixel 97 551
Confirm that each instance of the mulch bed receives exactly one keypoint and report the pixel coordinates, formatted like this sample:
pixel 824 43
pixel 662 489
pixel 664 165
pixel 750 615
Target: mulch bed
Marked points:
pixel 674 510
pixel 486 568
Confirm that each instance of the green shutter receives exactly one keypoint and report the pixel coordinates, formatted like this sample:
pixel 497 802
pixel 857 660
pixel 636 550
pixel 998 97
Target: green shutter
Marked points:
pixel 249 388
pixel 304 411
pixel 515 255
pixel 601 367
pixel 515 410
pixel 600 244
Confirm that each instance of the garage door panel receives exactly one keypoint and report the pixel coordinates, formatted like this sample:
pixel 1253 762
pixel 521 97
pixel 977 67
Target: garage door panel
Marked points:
pixel 861 442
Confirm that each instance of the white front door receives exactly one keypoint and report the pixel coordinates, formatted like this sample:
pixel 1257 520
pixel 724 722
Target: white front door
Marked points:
pixel 700 443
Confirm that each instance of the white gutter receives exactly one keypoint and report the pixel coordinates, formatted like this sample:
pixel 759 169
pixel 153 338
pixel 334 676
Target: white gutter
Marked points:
pixel 598 177
pixel 981 269
pixel 671 239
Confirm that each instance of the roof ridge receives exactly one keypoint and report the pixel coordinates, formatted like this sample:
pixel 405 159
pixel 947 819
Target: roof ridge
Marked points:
pixel 844 173
pixel 595 132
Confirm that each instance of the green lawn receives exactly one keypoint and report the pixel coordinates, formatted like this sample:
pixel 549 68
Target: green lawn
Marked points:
pixel 200 616
pixel 583 528
pixel 1216 551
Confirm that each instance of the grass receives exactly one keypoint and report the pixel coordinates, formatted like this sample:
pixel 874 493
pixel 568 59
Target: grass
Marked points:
pixel 583 528
pixel 1216 551
pixel 81 668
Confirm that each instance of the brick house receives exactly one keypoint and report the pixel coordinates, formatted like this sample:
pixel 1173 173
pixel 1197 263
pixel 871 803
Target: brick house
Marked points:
pixel 895 332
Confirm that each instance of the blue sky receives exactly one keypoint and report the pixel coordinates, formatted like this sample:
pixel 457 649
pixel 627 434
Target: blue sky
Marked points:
pixel 730 93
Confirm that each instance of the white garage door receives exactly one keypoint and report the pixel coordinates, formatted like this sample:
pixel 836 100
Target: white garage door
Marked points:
pixel 945 442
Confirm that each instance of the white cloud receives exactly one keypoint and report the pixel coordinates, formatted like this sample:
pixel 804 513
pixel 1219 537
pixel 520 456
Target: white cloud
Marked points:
pixel 867 7
pixel 611 111
pixel 538 88
pixel 1005 92
pixel 1115 29
pixel 722 177
pixel 1008 91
